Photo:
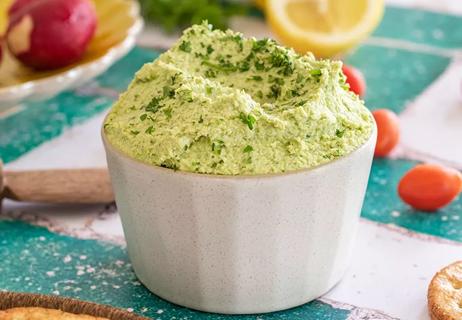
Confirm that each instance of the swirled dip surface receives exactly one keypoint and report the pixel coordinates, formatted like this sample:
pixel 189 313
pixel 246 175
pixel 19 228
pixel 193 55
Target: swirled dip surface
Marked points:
pixel 219 103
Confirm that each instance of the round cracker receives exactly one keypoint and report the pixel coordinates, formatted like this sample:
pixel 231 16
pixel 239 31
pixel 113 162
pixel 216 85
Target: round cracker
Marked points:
pixel 445 293
pixel 42 314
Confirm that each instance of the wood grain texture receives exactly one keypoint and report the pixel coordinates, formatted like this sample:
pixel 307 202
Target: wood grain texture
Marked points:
pixel 15 300
pixel 59 186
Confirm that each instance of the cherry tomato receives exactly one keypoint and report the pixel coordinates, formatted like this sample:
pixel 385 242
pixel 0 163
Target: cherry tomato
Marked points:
pixel 387 131
pixel 429 187
pixel 355 79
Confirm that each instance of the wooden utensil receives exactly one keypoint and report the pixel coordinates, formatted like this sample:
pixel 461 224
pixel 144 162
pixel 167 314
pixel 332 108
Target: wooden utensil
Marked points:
pixel 16 300
pixel 57 186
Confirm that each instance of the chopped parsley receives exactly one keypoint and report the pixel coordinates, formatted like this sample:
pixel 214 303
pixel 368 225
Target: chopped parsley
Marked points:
pixel 339 133
pixel 168 92
pixel 295 93
pixel 143 117
pixel 256 78
pixel 248 119
pixel 280 59
pixel 237 38
pixel 154 105
pixel 168 112
pixel 275 91
pixel 217 146
pixel 210 73
pixel 276 80
pixel 260 45
pixel 187 95
pixel 244 66
pixel 248 149
pixel 259 65
pixel 316 72
pixel 149 130
pixel 135 132
pixel 170 164
pixel 223 65
pixel 185 46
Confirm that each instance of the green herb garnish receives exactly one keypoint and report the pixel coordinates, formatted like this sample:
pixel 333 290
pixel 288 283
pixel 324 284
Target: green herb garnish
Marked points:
pixel 210 73
pixel 275 91
pixel 256 78
pixel 168 92
pixel 339 133
pixel 248 149
pixel 260 45
pixel 316 72
pixel 169 164
pixel 217 146
pixel 259 65
pixel 248 119
pixel 168 112
pixel 149 130
pixel 154 105
pixel 223 65
pixel 185 46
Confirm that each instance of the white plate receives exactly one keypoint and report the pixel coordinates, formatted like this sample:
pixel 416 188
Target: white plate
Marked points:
pixel 52 85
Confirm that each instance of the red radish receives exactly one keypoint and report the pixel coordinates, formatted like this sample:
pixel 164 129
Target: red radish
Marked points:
pixel 20 5
pixel 355 79
pixel 49 34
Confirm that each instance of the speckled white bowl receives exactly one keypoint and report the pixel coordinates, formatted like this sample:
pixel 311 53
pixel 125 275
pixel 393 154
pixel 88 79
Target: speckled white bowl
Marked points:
pixel 240 244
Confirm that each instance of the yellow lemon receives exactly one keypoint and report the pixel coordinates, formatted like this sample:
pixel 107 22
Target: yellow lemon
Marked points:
pixel 324 27
pixel 4 6
pixel 260 3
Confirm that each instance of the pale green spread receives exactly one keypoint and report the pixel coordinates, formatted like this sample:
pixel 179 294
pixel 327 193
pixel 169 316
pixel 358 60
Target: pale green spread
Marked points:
pixel 218 103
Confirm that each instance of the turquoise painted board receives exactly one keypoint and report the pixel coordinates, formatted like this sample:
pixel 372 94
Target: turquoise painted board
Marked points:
pixel 36 260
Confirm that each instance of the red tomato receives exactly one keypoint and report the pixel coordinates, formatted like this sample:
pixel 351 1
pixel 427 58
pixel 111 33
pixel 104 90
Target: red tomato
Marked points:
pixel 387 131
pixel 429 187
pixel 355 79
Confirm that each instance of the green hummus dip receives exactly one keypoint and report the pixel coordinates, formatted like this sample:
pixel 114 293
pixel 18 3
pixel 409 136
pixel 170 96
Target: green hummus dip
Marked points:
pixel 219 103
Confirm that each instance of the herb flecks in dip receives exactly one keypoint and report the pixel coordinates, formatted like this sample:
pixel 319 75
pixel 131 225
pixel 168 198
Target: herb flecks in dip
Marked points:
pixel 219 103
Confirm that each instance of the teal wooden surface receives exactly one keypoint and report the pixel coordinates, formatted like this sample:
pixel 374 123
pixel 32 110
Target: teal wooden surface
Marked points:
pixel 100 272
pixel 421 27
pixel 36 260
pixel 42 121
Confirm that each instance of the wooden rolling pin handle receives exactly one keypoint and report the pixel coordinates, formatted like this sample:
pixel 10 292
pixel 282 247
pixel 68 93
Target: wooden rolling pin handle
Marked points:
pixel 58 186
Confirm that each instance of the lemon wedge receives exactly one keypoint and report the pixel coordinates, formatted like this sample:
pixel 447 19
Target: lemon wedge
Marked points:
pixel 260 3
pixel 324 27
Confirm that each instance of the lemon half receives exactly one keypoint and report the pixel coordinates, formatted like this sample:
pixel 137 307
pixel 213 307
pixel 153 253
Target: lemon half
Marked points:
pixel 324 27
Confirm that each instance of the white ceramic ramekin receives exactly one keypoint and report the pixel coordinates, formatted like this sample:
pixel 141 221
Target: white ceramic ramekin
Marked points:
pixel 240 244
